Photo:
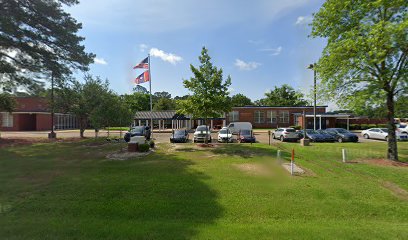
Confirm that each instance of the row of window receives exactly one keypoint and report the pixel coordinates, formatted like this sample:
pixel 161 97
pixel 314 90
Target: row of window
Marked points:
pixel 259 116
pixel 6 120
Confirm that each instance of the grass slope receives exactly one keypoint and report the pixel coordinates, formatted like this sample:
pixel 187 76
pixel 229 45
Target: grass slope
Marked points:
pixel 71 191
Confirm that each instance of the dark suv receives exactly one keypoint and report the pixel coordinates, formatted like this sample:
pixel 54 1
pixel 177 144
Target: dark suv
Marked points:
pixel 138 131
pixel 342 135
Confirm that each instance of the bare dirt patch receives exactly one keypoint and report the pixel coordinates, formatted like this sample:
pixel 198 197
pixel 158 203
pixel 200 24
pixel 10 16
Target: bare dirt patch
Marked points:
pixel 125 155
pixel 254 169
pixel 15 142
pixel 384 162
pixel 396 190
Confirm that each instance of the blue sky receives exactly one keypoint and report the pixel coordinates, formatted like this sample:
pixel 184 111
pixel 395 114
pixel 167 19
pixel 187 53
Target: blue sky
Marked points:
pixel 260 43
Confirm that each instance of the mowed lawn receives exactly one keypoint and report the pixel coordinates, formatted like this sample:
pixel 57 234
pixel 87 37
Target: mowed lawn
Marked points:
pixel 72 191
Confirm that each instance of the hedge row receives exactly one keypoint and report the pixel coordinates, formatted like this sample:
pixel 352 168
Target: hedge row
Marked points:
pixel 362 126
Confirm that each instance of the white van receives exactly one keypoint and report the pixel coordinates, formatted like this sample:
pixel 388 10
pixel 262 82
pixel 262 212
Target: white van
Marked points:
pixel 235 127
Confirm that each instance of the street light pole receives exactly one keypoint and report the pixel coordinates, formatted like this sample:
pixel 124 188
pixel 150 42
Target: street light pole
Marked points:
pixel 313 67
pixel 52 134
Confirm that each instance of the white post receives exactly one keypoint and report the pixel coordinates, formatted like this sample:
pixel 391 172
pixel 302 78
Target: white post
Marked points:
pixel 224 123
pixel 320 125
pixel 291 167
pixel 140 122
pixel 279 156
pixel 344 155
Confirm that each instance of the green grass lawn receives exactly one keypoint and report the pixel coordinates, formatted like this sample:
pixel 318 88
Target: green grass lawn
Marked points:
pixel 71 191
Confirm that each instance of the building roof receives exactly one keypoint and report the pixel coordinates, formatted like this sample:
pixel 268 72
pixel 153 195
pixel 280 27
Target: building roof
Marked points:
pixel 166 114
pixel 281 107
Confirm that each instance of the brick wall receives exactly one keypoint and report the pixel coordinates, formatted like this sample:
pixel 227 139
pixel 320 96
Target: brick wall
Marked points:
pixel 248 115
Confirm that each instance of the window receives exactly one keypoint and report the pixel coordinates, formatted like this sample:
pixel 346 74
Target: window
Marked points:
pixel 271 117
pixel 7 120
pixel 284 116
pixel 259 117
pixel 234 116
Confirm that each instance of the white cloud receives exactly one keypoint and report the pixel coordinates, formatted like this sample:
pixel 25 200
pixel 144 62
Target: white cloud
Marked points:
pixel 143 47
pixel 272 51
pixel 100 61
pixel 303 20
pixel 167 57
pixel 246 66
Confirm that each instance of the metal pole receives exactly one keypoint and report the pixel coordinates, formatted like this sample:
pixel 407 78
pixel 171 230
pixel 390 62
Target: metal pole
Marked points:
pixel 52 135
pixel 314 86
pixel 344 153
pixel 151 103
pixel 292 162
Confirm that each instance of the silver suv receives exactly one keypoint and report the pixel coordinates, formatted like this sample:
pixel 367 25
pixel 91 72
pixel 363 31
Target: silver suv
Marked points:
pixel 201 133
pixel 286 134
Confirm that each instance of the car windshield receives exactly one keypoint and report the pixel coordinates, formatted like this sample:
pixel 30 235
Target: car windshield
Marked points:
pixel 179 133
pixel 341 130
pixel 137 129
pixel 310 131
pixel 290 130
pixel 224 131
pixel 384 129
pixel 202 128
pixel 245 132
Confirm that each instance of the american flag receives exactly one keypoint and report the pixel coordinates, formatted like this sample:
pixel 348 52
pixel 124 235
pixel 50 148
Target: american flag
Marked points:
pixel 143 64
pixel 142 78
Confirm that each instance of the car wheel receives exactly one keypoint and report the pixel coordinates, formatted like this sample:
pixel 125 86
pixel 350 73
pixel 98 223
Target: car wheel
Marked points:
pixel 386 138
pixel 366 136
pixel 340 140
pixel 273 136
pixel 282 138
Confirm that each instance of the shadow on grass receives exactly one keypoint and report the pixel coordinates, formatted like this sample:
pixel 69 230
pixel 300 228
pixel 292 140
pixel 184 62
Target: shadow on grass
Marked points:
pixel 243 150
pixel 163 198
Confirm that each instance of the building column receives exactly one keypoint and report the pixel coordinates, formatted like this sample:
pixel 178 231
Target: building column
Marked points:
pixel 224 123
pixel 320 122
pixel 147 122
pixel 348 123
pixel 212 124
pixel 140 122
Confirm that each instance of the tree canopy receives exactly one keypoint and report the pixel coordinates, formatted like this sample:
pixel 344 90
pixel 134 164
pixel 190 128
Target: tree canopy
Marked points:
pixel 366 53
pixel 284 95
pixel 240 100
pixel 209 91
pixel 38 38
pixel 7 102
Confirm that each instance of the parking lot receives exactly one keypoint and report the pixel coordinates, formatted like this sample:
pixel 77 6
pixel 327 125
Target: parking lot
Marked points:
pixel 160 137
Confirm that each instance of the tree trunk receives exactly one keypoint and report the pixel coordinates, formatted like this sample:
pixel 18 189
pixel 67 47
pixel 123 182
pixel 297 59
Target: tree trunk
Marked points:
pixel 82 126
pixel 392 153
pixel 206 131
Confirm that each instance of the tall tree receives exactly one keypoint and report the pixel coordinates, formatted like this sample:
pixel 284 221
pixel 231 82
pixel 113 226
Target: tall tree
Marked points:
pixel 38 38
pixel 366 50
pixel 240 100
pixel 140 89
pixel 164 104
pixel 284 95
pixel 209 91
pixel 85 101
pixel 137 101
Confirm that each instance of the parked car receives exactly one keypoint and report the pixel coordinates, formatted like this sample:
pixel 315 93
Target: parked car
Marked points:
pixel 382 134
pixel 225 135
pixel 138 131
pixel 179 136
pixel 235 127
pixel 342 135
pixel 327 137
pixel 201 133
pixel 316 136
pixel 246 136
pixel 286 134
pixel 403 128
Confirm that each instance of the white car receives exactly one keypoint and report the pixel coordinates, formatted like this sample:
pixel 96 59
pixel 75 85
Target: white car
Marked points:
pixel 382 133
pixel 236 127
pixel 286 134
pixel 201 133
pixel 403 128
pixel 225 135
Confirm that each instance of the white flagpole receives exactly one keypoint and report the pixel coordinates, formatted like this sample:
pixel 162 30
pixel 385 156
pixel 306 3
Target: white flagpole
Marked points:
pixel 151 103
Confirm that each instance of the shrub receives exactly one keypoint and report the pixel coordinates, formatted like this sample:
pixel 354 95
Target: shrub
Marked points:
pixel 144 147
pixel 364 126
pixel 382 125
pixel 372 125
pixel 296 127
pixel 355 127
pixel 151 144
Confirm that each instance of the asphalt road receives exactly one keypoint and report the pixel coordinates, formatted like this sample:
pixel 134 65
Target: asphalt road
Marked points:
pixel 261 136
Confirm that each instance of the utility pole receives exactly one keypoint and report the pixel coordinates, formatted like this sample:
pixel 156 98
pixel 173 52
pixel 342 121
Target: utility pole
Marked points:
pixel 52 134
